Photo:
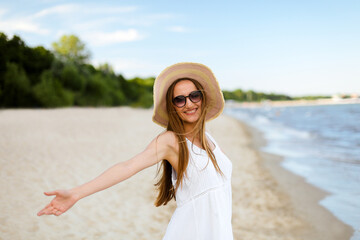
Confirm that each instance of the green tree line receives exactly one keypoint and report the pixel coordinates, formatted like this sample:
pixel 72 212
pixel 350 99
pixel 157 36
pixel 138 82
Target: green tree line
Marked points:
pixel 252 96
pixel 38 77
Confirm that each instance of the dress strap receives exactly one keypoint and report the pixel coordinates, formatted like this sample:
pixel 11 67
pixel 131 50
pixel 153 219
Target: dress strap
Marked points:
pixel 212 139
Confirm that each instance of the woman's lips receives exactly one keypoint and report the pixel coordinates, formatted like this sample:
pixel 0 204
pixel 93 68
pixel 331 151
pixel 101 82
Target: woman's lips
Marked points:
pixel 190 112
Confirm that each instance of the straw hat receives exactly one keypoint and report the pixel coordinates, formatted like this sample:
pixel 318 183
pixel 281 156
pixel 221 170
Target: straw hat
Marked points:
pixel 196 71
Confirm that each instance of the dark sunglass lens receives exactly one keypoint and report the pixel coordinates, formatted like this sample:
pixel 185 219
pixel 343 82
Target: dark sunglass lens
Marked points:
pixel 195 96
pixel 179 101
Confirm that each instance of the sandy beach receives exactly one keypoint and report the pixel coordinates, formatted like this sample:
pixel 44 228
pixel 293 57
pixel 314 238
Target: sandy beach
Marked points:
pixel 43 150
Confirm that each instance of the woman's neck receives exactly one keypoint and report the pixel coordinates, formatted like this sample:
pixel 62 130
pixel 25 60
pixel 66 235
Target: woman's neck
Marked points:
pixel 189 131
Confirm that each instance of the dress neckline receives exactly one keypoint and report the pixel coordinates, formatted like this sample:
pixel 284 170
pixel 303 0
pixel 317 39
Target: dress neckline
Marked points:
pixel 192 144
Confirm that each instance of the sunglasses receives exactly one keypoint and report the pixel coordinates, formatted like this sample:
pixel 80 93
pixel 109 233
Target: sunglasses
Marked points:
pixel 180 101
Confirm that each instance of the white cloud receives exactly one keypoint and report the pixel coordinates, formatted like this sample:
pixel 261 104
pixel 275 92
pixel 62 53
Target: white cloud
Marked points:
pixel 59 9
pixel 95 23
pixel 103 38
pixel 2 11
pixel 144 20
pixel 161 16
pixel 132 67
pixel 26 25
pixel 110 10
pixel 83 10
pixel 178 29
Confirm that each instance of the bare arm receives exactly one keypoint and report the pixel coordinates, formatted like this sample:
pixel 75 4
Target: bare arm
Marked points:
pixel 123 170
pixel 163 147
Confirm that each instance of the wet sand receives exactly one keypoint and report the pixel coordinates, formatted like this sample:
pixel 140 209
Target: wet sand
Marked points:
pixel 42 150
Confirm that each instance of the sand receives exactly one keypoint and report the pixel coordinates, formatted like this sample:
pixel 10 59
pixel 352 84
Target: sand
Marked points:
pixel 43 150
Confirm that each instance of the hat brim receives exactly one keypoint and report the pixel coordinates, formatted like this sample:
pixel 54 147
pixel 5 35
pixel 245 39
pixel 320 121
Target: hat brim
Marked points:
pixel 195 71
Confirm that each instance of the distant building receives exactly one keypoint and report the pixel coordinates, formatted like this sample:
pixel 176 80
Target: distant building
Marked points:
pixel 336 97
pixel 354 96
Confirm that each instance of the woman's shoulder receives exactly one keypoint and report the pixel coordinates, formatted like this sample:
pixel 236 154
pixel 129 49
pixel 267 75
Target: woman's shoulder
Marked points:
pixel 209 136
pixel 167 147
pixel 169 138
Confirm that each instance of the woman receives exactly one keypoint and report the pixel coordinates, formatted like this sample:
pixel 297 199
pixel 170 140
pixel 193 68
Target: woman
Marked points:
pixel 195 171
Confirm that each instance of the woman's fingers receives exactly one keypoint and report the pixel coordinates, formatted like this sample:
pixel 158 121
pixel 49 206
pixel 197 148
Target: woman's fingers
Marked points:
pixel 57 213
pixel 50 211
pixel 41 212
pixel 44 211
pixel 51 193
pixel 59 204
pixel 53 211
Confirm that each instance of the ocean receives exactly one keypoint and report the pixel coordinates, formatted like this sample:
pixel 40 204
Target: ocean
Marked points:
pixel 320 143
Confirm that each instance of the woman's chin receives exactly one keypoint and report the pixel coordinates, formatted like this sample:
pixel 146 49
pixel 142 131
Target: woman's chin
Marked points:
pixel 191 120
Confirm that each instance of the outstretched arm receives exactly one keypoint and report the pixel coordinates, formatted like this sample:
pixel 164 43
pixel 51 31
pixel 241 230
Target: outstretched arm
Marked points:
pixel 163 147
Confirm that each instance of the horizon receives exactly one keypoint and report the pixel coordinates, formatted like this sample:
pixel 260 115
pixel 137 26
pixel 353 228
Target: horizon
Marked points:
pixel 295 49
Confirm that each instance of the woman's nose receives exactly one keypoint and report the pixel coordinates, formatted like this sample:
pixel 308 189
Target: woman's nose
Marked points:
pixel 189 103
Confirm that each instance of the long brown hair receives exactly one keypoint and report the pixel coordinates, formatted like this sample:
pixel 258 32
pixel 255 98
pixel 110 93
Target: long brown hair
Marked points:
pixel 176 125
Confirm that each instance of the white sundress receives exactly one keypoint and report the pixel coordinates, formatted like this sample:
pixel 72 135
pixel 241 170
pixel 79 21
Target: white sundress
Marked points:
pixel 203 199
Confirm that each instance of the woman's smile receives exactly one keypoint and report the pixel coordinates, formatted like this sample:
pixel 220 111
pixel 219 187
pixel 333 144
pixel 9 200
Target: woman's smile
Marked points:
pixel 190 112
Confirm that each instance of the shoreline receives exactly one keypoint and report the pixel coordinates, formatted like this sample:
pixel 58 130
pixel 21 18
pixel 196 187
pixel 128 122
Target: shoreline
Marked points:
pixel 292 103
pixel 304 197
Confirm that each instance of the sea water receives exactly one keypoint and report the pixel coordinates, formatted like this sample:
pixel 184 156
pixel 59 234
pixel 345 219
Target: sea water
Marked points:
pixel 320 143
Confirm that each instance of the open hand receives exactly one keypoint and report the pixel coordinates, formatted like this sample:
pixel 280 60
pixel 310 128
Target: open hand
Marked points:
pixel 64 199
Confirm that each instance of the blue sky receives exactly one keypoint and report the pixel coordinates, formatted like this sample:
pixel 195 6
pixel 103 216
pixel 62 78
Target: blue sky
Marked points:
pixel 290 47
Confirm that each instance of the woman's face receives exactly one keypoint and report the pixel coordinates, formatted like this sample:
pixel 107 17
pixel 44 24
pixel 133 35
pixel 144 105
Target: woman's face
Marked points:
pixel 191 112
